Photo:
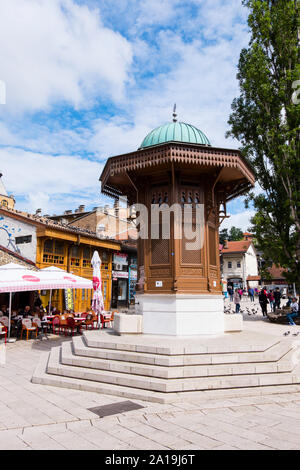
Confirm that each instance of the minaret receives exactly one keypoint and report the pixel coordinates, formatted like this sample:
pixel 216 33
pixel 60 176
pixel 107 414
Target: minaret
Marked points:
pixel 6 201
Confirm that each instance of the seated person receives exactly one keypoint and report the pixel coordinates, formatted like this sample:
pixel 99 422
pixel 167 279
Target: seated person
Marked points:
pixel 25 312
pixel 295 311
pixel 4 311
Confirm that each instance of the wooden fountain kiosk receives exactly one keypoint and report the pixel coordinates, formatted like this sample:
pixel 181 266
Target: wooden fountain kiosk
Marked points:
pixel 179 290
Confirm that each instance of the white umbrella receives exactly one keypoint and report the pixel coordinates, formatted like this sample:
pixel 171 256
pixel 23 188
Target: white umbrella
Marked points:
pixel 77 282
pixel 17 278
pixel 97 302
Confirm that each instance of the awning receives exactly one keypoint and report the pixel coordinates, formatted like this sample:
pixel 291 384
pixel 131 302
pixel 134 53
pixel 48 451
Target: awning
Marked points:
pixel 16 278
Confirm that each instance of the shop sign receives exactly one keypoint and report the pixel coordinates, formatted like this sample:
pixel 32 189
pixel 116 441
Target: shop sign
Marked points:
pixel 121 258
pixel 120 274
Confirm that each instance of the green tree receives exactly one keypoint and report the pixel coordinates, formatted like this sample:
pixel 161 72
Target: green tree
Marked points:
pixel 223 235
pixel 265 119
pixel 235 234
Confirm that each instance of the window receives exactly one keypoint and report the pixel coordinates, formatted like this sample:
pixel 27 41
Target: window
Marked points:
pixel 238 264
pixel 53 252
pixel 229 264
pixel 25 239
pixel 74 256
pixel 86 255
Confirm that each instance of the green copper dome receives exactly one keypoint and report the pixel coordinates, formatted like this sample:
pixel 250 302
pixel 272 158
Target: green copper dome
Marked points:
pixel 175 132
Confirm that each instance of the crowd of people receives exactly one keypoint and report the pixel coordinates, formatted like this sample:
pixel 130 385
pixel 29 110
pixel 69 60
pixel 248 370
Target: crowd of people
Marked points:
pixel 273 297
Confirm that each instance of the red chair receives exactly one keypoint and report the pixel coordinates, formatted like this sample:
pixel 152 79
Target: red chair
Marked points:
pixel 105 319
pixel 56 324
pixel 89 321
pixel 71 326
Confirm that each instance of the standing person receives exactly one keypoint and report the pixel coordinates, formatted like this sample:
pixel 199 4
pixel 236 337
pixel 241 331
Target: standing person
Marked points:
pixel 240 293
pixel 271 300
pixel 251 294
pixel 230 293
pixel 237 300
pixel 294 313
pixel 277 298
pixel 38 302
pixel 263 300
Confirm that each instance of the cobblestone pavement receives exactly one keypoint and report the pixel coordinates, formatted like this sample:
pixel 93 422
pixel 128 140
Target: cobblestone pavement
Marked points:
pixel 43 417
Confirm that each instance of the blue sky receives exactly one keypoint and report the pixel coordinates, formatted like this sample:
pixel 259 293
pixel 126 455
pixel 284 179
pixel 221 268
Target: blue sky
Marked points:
pixel 87 79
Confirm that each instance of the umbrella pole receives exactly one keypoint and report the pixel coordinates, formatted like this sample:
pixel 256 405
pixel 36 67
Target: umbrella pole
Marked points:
pixel 50 297
pixel 9 313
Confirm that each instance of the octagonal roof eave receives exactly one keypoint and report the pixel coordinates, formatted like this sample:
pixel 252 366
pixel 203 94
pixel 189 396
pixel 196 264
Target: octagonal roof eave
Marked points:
pixel 206 148
pixel 176 142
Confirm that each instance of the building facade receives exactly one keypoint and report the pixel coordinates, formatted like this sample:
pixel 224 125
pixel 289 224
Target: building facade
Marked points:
pixel 48 243
pixel 239 266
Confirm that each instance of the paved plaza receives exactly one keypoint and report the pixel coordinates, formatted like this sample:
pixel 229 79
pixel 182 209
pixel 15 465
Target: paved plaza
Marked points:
pixel 43 417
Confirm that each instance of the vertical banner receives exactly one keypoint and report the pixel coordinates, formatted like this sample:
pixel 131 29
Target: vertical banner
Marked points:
pixel 69 299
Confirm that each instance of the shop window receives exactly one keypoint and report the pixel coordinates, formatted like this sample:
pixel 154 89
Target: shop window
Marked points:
pixel 53 252
pixel 4 203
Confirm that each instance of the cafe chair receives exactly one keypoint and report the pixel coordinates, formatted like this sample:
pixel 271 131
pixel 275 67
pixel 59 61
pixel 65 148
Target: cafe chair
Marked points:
pixel 71 326
pixel 106 319
pixel 89 322
pixel 56 324
pixel 27 326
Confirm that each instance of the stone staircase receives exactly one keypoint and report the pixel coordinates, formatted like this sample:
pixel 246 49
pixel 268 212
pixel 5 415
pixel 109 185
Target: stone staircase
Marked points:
pixel 164 369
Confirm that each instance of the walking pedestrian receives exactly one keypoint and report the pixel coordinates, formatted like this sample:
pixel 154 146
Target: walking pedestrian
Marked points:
pixel 237 299
pixel 230 293
pixel 251 294
pixel 271 300
pixel 277 298
pixel 263 301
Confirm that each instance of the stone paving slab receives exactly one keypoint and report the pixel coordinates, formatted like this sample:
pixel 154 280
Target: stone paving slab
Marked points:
pixel 34 416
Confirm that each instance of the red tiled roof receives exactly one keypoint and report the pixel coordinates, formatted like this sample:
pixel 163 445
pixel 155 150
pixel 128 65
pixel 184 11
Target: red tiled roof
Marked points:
pixel 276 272
pixel 237 247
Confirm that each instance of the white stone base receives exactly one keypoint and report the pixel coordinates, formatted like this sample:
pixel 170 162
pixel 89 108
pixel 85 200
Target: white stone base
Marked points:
pixel 233 322
pixel 127 324
pixel 181 314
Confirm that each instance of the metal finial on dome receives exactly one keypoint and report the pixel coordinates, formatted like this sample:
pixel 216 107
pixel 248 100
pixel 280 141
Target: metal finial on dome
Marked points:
pixel 174 113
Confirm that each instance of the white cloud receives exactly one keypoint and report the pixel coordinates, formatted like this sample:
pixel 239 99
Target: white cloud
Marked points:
pixel 240 220
pixel 48 182
pixel 59 51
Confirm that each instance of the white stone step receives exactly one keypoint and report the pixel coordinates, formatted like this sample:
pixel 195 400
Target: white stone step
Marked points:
pixel 245 342
pixel 41 376
pixel 274 353
pixel 69 358
pixel 167 385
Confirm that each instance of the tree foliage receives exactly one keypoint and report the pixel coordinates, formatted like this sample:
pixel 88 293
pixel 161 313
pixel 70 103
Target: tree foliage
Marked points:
pixel 265 119
pixel 234 234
